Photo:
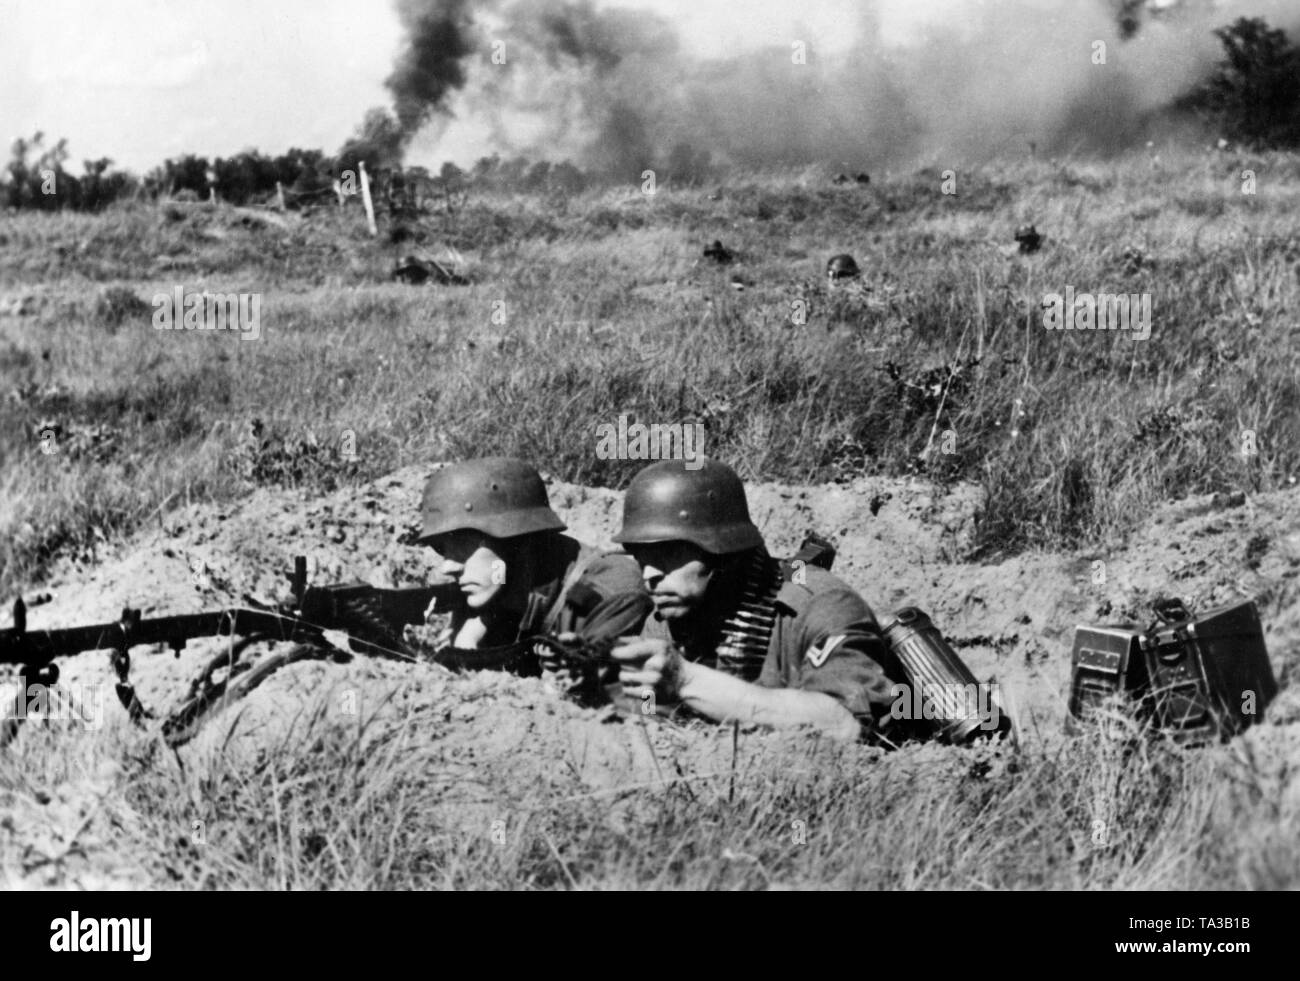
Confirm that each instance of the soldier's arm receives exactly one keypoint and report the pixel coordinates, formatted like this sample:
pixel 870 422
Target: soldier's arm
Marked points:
pixel 832 676
pixel 724 697
pixel 841 653
pixel 657 665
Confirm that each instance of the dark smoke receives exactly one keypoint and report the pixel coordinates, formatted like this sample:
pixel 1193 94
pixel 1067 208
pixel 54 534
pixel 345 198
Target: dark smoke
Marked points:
pixel 429 69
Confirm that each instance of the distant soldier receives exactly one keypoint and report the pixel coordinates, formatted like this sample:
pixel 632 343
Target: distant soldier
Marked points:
pixel 1028 239
pixel 719 253
pixel 748 637
pixel 518 577
pixel 842 267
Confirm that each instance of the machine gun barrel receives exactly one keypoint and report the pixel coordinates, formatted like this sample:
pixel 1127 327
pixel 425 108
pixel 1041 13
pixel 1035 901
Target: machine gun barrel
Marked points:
pixel 36 648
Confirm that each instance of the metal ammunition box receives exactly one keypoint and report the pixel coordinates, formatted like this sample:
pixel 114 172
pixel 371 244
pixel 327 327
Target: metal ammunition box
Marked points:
pixel 1106 662
pixel 1209 674
pixel 1195 677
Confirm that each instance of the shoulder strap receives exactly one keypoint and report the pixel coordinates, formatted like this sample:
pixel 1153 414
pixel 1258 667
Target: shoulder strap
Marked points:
pixel 570 581
pixel 546 605
pixel 815 550
pixel 793 594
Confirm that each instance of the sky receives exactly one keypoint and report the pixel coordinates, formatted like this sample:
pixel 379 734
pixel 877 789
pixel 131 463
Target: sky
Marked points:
pixel 142 80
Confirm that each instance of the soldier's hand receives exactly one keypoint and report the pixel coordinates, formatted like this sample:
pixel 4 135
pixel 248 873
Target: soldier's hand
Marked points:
pixel 651 665
pixel 556 668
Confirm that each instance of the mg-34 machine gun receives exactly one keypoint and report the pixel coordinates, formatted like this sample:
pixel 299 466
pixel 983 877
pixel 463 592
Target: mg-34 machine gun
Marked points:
pixel 373 618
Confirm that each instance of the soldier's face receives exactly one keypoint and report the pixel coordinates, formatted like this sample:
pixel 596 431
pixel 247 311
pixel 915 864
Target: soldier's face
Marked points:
pixel 476 562
pixel 677 575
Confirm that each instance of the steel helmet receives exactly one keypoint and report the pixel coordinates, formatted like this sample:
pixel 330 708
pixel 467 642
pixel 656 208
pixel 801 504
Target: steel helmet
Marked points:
pixel 499 496
pixel 706 506
pixel 842 266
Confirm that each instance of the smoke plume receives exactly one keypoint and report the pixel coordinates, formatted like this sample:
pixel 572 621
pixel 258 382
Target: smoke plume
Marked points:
pixel 440 34
pixel 614 90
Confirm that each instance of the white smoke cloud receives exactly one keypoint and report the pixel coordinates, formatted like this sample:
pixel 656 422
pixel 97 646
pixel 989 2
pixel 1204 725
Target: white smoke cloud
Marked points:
pixel 898 82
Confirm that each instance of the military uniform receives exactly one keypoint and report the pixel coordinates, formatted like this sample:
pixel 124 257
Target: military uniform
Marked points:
pixel 594 596
pixel 822 637
pixel 775 624
pixel 826 639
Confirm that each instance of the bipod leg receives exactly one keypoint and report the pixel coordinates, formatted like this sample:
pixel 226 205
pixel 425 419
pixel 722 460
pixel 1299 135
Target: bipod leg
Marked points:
pixel 126 691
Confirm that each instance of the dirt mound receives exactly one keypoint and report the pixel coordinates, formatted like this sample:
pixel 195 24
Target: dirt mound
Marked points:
pixel 484 742
pixel 897 541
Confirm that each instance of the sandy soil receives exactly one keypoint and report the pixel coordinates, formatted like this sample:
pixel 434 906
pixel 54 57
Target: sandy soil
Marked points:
pixel 897 539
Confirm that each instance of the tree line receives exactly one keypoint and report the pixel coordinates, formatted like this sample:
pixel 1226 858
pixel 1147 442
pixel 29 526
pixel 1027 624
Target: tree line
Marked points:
pixel 38 177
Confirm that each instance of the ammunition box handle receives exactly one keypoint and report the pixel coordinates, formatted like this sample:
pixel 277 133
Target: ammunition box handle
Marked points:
pixel 1171 653
pixel 1171 610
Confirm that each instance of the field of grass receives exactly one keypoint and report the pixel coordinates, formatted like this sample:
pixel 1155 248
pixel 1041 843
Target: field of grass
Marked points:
pixel 582 309
pixel 377 804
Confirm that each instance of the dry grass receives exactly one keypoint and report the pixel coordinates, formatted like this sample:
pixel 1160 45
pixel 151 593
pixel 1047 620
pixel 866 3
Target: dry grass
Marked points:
pixel 606 313
pixel 581 310
pixel 374 804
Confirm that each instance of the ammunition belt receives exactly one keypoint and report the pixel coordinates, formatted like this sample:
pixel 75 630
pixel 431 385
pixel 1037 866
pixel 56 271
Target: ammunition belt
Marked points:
pixel 583 651
pixel 517 655
pixel 503 657
pixel 745 635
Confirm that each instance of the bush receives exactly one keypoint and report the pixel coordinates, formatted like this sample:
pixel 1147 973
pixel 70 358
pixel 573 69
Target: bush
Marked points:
pixel 37 179
pixel 118 304
pixel 1253 96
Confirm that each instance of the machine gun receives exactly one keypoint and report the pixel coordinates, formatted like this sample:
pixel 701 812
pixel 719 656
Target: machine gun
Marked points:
pixel 372 617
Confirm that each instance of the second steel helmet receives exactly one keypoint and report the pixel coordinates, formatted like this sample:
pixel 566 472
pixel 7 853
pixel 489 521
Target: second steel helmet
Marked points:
pixel 499 496
pixel 706 506
pixel 842 266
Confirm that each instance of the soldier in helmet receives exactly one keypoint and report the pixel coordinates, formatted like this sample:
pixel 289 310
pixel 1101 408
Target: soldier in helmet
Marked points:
pixel 518 577
pixel 748 637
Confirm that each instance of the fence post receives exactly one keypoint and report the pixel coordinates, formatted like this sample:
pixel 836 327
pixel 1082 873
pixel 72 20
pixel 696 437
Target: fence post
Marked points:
pixel 365 196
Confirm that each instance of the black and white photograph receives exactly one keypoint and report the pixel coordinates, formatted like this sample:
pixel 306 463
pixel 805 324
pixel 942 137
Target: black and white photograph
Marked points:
pixel 651 445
